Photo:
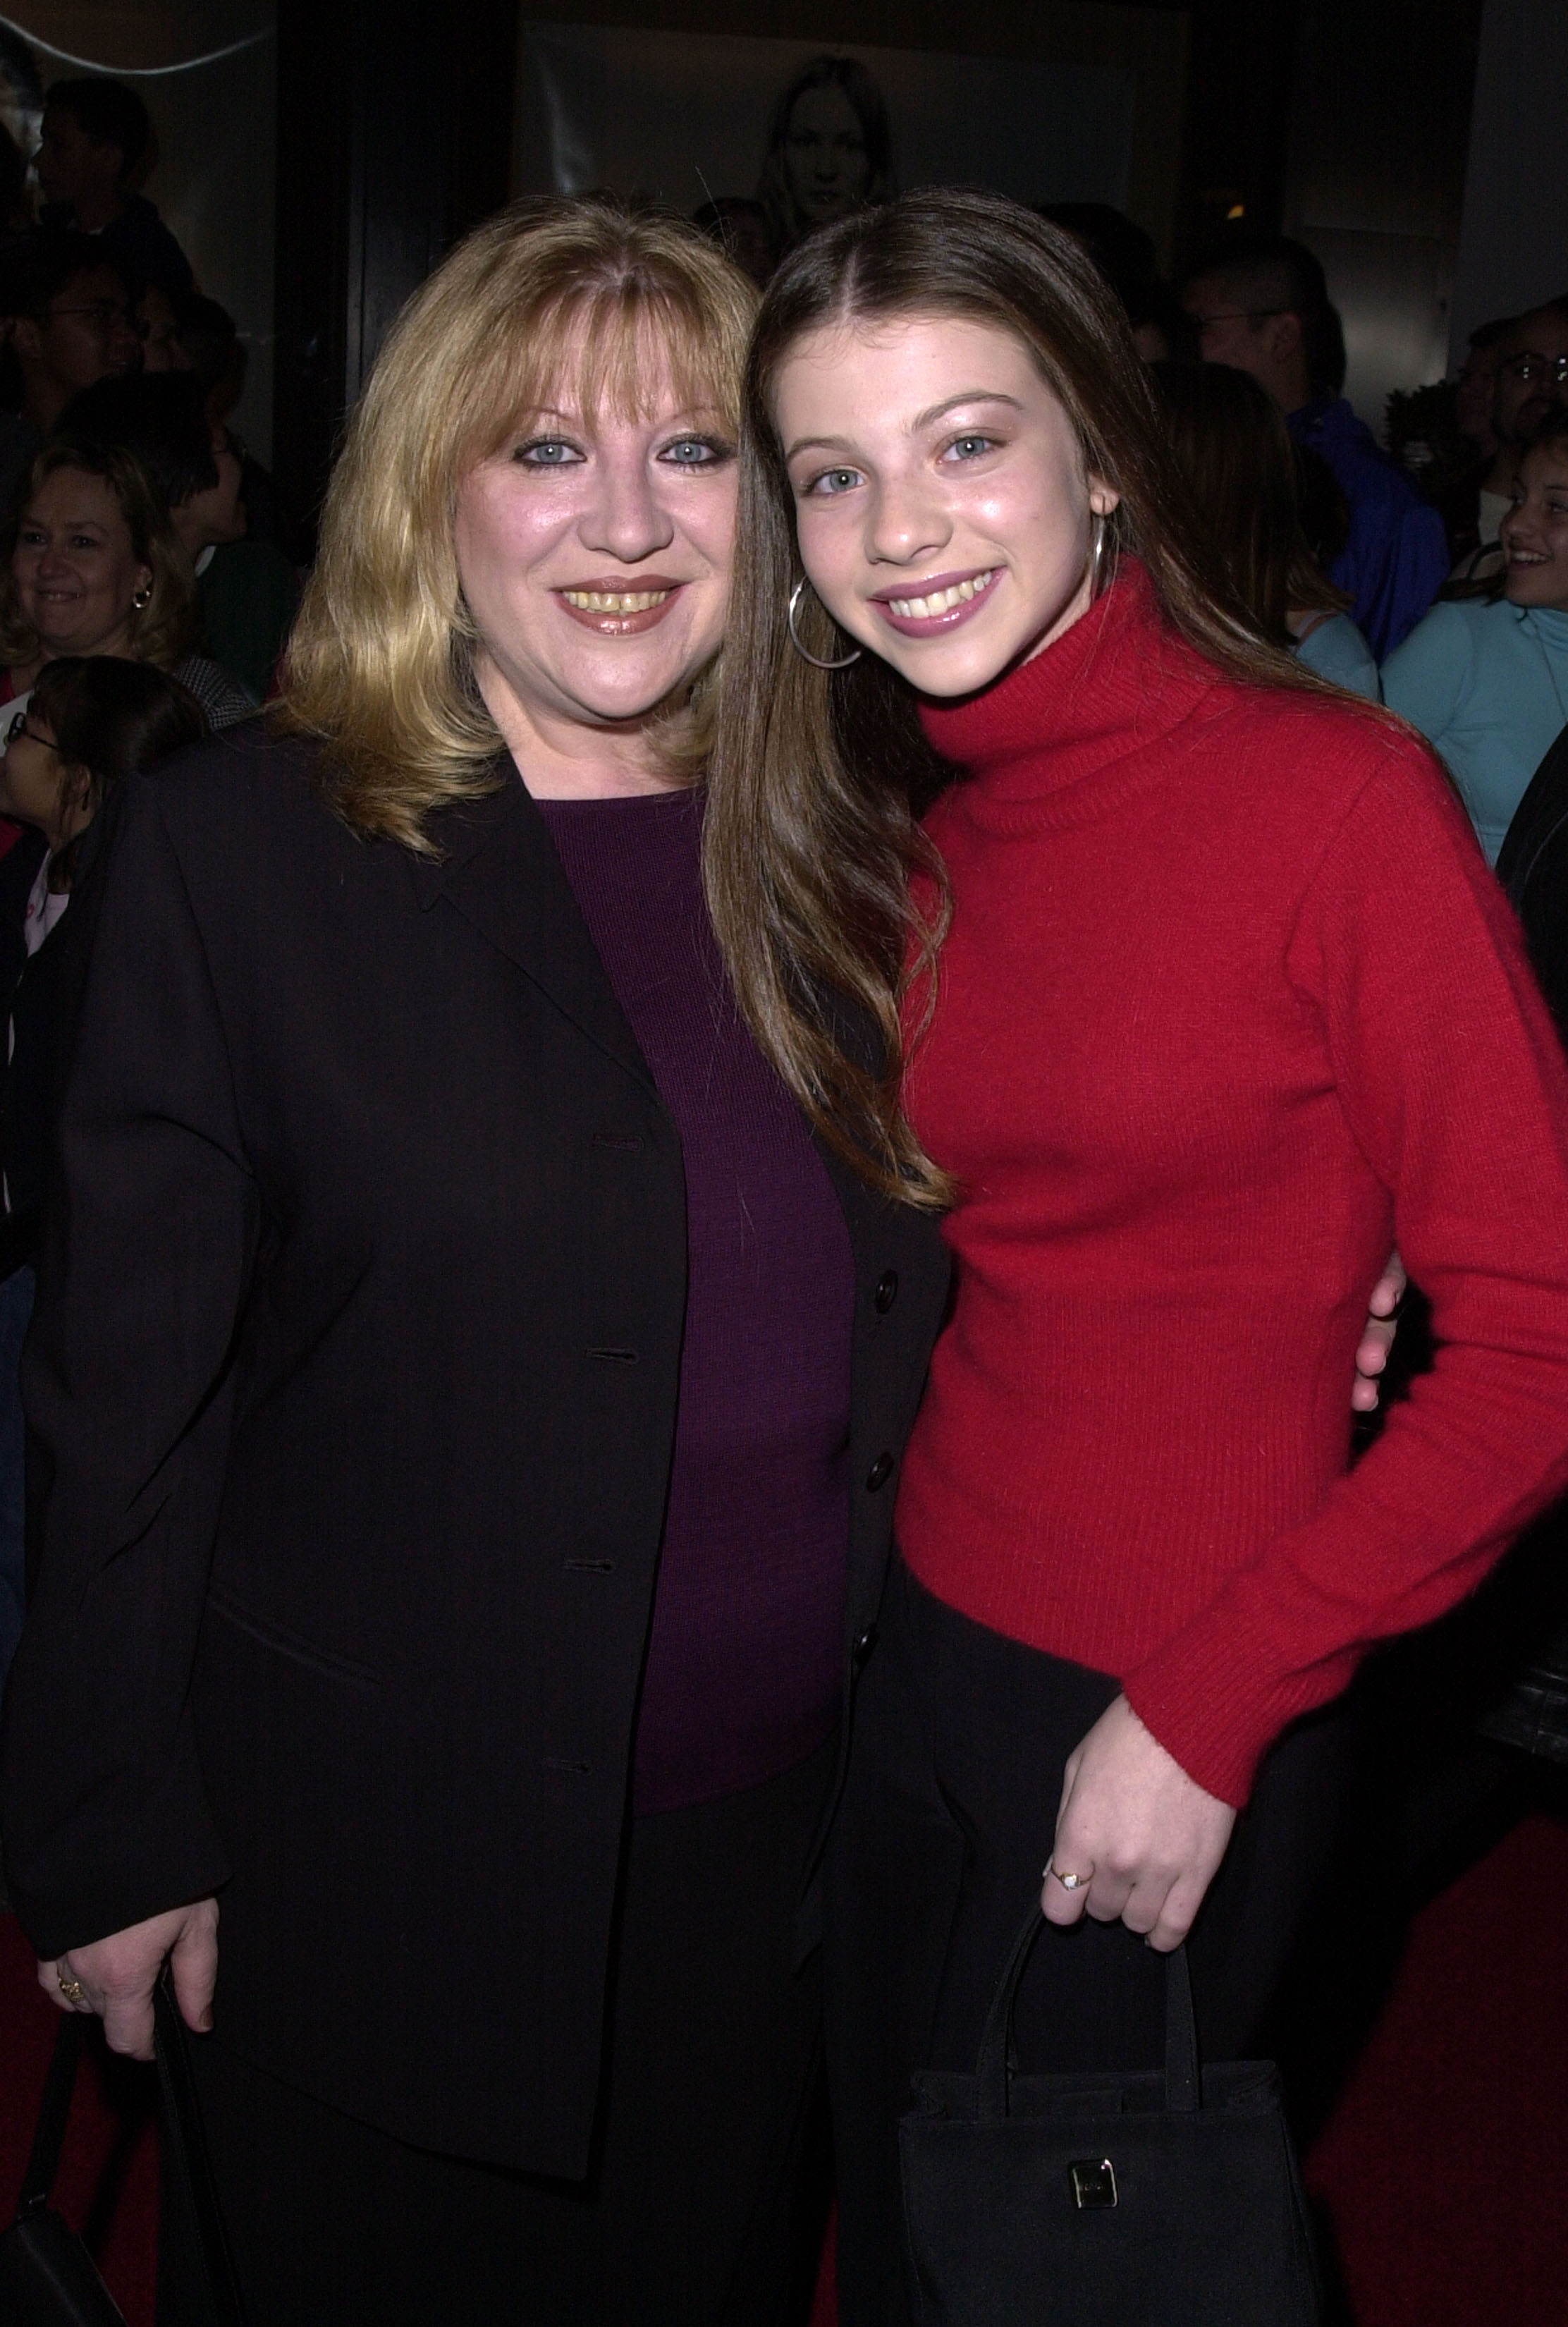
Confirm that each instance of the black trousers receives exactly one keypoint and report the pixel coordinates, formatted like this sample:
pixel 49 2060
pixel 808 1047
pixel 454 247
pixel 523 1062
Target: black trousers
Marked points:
pixel 688 2218
pixel 954 1778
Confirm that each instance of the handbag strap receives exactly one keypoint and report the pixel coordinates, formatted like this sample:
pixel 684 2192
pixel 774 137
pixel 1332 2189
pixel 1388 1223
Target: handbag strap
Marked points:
pixel 188 2146
pixel 994 2067
pixel 1183 2080
pixel 53 2111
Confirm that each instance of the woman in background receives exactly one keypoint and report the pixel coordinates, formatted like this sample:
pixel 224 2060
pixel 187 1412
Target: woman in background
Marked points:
pixel 1233 447
pixel 95 568
pixel 1485 677
pixel 1206 993
pixel 829 149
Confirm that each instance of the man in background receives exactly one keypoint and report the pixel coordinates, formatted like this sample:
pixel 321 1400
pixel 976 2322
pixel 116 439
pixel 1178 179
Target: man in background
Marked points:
pixel 66 311
pixel 1263 308
pixel 96 137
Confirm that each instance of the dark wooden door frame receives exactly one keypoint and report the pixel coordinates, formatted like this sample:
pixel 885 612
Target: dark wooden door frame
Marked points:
pixel 394 137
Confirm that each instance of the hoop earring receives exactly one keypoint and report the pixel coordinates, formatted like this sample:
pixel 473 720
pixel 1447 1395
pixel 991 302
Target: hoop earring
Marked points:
pixel 143 598
pixel 1097 556
pixel 818 662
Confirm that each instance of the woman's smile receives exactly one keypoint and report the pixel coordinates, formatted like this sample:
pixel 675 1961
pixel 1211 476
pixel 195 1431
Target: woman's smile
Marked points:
pixel 617 607
pixel 921 610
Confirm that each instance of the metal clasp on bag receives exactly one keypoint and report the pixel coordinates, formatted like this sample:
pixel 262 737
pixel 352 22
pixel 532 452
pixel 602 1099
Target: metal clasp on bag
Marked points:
pixel 1094 2181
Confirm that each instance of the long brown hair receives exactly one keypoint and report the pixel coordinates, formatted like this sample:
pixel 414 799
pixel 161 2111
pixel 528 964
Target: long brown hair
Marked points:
pixel 1235 451
pixel 164 631
pixel 811 833
pixel 379 666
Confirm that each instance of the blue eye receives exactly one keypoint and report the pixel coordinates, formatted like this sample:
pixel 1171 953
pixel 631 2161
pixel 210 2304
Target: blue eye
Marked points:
pixel 695 452
pixel 970 448
pixel 835 481
pixel 547 452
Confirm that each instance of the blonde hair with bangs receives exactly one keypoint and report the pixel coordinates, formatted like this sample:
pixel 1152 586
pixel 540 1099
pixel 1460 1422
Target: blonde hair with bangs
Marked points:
pixel 380 662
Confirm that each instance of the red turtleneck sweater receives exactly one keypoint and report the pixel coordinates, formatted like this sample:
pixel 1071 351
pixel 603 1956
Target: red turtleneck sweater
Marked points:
pixel 1229 1004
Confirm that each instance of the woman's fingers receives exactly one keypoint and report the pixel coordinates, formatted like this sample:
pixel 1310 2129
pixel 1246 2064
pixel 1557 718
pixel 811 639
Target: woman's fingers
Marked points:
pixel 58 1980
pixel 1378 1335
pixel 193 1965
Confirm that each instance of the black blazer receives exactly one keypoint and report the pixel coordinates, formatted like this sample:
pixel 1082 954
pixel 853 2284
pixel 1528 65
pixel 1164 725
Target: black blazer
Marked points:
pixel 350 1551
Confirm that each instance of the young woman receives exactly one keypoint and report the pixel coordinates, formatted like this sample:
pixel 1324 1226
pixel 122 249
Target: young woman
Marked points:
pixel 1234 450
pixel 1486 678
pixel 95 568
pixel 471 1392
pixel 1210 994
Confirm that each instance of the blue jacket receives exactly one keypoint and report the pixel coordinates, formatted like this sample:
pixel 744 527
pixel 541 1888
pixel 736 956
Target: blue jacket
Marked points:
pixel 1488 685
pixel 1395 559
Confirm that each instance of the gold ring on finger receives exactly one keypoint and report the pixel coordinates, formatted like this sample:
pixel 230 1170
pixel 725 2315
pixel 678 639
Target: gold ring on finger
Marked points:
pixel 1070 1882
pixel 71 1989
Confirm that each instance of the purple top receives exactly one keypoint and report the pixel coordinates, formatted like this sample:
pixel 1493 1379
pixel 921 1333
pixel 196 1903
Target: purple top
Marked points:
pixel 743 1665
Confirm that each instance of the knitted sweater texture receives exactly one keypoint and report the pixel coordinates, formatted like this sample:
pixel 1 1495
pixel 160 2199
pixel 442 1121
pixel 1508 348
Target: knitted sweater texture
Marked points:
pixel 1230 1003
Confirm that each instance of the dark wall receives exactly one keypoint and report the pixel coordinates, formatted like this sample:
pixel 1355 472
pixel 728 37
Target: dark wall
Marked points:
pixel 1379 127
pixel 1344 121
pixel 394 137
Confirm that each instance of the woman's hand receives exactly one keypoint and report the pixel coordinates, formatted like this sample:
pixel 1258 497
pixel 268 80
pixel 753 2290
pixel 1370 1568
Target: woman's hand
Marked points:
pixel 1378 1335
pixel 116 1976
pixel 1133 1823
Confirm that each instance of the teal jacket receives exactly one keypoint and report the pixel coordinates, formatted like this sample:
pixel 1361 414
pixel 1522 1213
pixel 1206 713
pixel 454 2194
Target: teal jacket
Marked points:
pixel 1488 686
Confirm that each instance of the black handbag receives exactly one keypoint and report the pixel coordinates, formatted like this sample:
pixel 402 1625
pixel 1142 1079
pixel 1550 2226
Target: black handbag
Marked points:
pixel 47 2276
pixel 1126 2200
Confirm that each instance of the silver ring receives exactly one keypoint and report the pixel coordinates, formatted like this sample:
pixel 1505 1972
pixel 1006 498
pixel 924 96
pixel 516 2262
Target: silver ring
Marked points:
pixel 818 662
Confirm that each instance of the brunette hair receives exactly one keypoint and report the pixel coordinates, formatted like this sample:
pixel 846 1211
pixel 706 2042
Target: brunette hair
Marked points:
pixel 110 717
pixel 1235 451
pixel 811 833
pixel 379 667
pixel 869 107
pixel 164 631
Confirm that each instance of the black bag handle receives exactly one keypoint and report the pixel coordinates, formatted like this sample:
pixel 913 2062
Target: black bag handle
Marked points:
pixel 994 2067
pixel 53 2111
pixel 188 2150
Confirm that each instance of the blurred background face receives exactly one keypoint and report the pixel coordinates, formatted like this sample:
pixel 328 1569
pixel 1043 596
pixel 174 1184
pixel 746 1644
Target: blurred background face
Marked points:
pixel 1534 533
pixel 594 552
pixel 826 167
pixel 33 783
pixel 88 333
pixel 70 164
pixel 941 507
pixel 74 566
pixel 159 330
pixel 217 515
pixel 1532 365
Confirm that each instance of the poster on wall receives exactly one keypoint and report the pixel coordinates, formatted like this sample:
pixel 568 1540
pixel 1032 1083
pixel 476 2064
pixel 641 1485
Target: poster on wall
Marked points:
pixel 802 134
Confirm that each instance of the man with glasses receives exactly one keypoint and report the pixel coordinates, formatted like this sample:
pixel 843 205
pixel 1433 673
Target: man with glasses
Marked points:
pixel 66 312
pixel 1263 308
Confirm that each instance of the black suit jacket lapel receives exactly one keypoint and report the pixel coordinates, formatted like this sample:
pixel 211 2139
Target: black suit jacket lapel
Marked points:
pixel 501 869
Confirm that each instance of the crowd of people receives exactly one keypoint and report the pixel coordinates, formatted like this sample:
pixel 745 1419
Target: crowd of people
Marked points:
pixel 703 1182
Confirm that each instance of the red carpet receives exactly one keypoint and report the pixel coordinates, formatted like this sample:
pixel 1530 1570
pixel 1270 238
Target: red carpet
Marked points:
pixel 1444 2170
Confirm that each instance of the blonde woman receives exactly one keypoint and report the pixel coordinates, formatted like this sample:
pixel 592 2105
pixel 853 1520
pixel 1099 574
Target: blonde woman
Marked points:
pixel 95 568
pixel 464 1377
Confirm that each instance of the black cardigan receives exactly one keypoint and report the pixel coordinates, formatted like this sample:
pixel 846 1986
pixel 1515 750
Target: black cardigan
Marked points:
pixel 351 1550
